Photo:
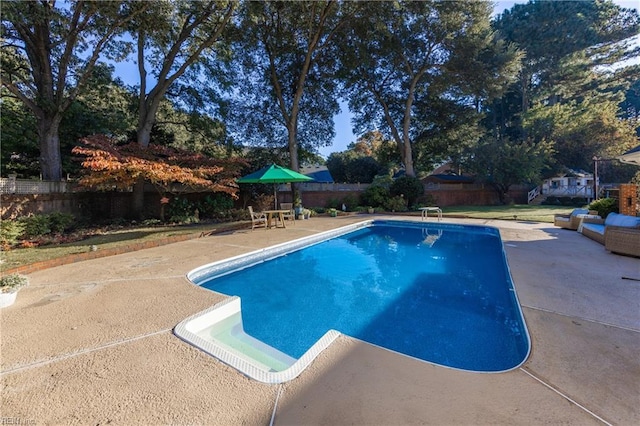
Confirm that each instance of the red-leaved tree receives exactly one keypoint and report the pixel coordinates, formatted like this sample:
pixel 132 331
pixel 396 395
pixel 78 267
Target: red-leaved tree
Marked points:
pixel 109 165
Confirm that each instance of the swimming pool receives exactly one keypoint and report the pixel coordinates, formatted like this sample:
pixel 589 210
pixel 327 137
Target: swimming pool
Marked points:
pixel 437 292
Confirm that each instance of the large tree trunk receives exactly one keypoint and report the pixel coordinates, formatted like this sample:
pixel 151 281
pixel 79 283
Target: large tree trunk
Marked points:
pixel 144 130
pixel 50 157
pixel 407 157
pixel 294 162
pixel 146 119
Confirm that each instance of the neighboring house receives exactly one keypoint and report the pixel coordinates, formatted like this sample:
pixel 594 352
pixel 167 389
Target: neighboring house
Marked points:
pixel 574 183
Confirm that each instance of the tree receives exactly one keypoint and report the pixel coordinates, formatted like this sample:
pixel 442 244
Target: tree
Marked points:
pixel 502 162
pixel 349 167
pixel 630 107
pixel 48 53
pixel 580 131
pixel 287 57
pixel 395 54
pixel 566 96
pixel 364 159
pixel 571 49
pixel 19 140
pixel 171 37
pixel 549 32
pixel 109 165
pixel 444 129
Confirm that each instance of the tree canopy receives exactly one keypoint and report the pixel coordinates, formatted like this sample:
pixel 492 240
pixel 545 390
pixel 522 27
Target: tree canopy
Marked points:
pixel 287 62
pixel 544 85
pixel 394 57
pixel 48 55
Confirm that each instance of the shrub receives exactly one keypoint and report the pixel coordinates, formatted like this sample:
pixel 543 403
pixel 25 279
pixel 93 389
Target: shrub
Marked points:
pixel 263 202
pixel 180 207
pixel 12 283
pixel 215 206
pixel 552 201
pixel 375 196
pixel 604 206
pixel 565 201
pixel 10 231
pixel 43 224
pixel 188 219
pixel 35 226
pixel 60 222
pixel 396 204
pixel 350 201
pixel 409 187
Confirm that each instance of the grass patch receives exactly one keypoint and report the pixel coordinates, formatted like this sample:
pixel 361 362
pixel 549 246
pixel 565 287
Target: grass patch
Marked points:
pixel 26 256
pixel 520 212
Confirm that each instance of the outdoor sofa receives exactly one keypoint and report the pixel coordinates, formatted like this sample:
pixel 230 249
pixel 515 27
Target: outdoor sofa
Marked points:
pixel 571 221
pixel 619 233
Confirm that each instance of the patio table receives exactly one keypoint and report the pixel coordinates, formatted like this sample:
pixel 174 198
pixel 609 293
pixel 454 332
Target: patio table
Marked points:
pixel 280 216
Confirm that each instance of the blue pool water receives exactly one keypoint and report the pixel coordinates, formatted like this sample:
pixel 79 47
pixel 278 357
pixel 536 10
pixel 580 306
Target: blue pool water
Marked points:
pixel 441 293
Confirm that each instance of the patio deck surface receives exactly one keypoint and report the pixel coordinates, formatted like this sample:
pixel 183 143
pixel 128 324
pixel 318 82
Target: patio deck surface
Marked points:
pixel 92 343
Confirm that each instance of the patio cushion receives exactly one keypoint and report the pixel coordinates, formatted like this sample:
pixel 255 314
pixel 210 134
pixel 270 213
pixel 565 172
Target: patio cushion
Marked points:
pixel 595 227
pixel 615 219
pixel 576 212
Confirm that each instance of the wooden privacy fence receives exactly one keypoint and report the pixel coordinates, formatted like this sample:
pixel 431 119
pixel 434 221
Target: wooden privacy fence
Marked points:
pixel 24 197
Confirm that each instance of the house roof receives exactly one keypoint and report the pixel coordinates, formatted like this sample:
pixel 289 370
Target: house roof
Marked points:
pixel 631 151
pixel 448 177
pixel 574 173
pixel 319 173
pixel 632 156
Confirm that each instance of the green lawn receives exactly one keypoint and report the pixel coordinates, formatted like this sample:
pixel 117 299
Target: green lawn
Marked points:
pixel 512 212
pixel 25 256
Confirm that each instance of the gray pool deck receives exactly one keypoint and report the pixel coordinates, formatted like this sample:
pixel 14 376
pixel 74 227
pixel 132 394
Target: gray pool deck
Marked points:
pixel 92 343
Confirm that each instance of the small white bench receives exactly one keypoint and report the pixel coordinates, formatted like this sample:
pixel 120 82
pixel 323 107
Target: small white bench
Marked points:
pixel 426 210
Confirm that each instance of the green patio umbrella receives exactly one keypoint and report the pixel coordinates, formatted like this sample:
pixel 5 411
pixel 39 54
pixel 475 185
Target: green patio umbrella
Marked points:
pixel 274 174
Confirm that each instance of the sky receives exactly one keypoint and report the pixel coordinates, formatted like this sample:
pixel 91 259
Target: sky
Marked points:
pixel 344 135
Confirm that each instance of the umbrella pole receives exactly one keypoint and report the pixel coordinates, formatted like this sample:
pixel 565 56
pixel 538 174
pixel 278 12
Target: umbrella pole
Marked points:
pixel 275 196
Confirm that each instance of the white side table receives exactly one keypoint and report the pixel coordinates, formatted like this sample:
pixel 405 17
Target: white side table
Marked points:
pixel 426 210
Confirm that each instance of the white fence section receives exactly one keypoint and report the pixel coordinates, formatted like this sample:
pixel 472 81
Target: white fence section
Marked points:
pixel 569 191
pixel 26 186
pixel 531 195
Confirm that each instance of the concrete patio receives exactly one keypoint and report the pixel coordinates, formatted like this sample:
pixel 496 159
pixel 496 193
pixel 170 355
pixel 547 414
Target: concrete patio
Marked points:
pixel 92 343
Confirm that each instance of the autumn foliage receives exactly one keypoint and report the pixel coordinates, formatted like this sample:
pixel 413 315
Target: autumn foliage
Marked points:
pixel 108 165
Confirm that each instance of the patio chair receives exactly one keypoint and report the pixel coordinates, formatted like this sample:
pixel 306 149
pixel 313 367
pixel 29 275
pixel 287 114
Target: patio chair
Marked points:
pixel 291 215
pixel 257 219
pixel 569 221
